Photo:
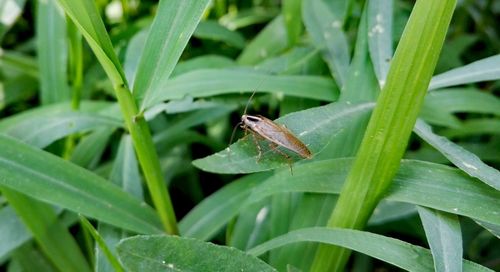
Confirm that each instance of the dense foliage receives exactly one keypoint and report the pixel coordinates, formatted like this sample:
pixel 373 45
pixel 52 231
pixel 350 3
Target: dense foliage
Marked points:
pixel 115 119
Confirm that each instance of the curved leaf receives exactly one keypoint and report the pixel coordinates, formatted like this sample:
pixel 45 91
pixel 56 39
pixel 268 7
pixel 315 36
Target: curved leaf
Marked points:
pixel 269 42
pixel 380 17
pixel 210 82
pixel 325 27
pixel 417 182
pixel 51 179
pixel 390 250
pixel 459 156
pixel 241 157
pixel 445 239
pixel 42 126
pixel 481 70
pixel 206 219
pixel 173 253
pixel 214 31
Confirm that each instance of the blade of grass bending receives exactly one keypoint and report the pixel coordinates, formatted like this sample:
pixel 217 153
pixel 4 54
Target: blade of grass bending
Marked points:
pixel 390 125
pixel 102 244
pixel 86 17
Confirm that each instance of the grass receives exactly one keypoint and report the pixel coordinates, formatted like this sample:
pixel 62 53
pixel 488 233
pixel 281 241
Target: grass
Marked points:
pixel 115 119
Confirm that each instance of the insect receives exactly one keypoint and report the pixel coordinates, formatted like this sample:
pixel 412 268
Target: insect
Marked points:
pixel 277 135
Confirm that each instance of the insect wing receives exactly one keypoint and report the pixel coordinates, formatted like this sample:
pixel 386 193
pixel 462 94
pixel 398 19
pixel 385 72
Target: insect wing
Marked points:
pixel 281 136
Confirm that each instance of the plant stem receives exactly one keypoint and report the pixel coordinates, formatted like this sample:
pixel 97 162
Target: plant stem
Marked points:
pixel 148 158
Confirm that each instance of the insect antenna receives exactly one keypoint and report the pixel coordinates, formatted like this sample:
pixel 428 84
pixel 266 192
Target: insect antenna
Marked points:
pixel 248 102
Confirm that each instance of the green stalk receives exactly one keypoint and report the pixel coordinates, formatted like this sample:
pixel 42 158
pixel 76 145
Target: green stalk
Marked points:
pixel 390 125
pixel 148 158
pixel 86 17
pixel 75 59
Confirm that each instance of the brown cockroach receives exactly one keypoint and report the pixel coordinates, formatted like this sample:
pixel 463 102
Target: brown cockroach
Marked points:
pixel 276 134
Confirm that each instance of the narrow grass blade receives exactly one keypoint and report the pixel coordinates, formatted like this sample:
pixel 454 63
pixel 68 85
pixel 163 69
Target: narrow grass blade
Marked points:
pixel 168 253
pixel 459 156
pixel 125 174
pixel 417 182
pixel 88 21
pixel 477 126
pixel 211 30
pixel 210 82
pixel 457 100
pixel 102 244
pixel 396 252
pixel 172 27
pixel 481 70
pixel 133 54
pixel 52 236
pixel 88 152
pixel 390 125
pixel 380 17
pixel 215 211
pixel 16 62
pixel 445 239
pixel 271 41
pixel 292 10
pixel 325 26
pixel 13 233
pixel 25 169
pixel 52 49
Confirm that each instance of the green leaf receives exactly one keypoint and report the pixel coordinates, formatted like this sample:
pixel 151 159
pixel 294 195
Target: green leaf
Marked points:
pixel 444 237
pixel 102 244
pixel 211 30
pixel 172 27
pixel 459 156
pixel 271 41
pixel 325 27
pixel 296 61
pixel 248 17
pixel 241 157
pixel 88 20
pixel 380 17
pixel 13 232
pixel 173 253
pixel 292 13
pixel 125 174
pixel 133 54
pixel 43 125
pixel 52 236
pixel 396 252
pixel 481 70
pixel 215 211
pixel 90 148
pixel 477 126
pixel 463 100
pixel 19 88
pixel 210 82
pixel 52 49
pixel 17 63
pixel 419 183
pixel 203 62
pixel 40 175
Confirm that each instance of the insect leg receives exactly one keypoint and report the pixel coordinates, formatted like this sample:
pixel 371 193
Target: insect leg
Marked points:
pixel 256 141
pixel 274 147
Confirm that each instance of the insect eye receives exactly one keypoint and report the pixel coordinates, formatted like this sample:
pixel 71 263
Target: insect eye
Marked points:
pixel 253 119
